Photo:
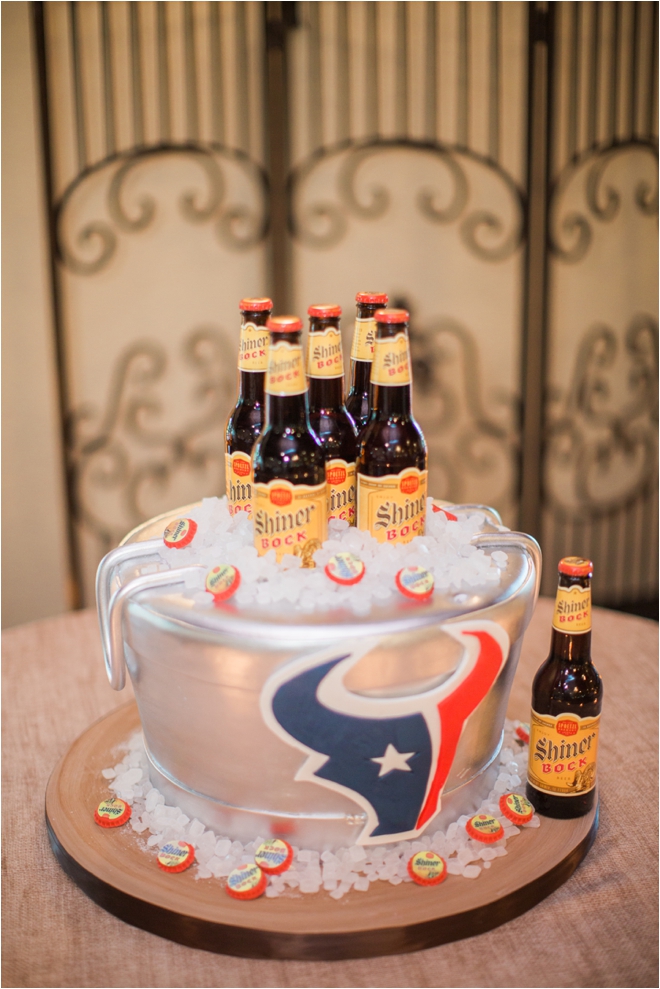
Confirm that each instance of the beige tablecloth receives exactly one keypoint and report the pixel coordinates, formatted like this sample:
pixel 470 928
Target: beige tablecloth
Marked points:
pixel 599 929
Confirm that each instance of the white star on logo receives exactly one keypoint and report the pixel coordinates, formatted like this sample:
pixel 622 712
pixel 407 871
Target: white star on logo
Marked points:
pixel 393 760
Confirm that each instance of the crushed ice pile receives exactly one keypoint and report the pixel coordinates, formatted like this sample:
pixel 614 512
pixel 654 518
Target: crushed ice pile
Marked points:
pixel 347 868
pixel 446 550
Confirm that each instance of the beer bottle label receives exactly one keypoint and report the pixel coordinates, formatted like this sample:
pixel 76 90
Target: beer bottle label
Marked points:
pixel 286 373
pixel 391 364
pixel 253 348
pixel 290 518
pixel 340 478
pixel 562 753
pixel 393 508
pixel 572 609
pixel 364 335
pixel 324 354
pixel 238 471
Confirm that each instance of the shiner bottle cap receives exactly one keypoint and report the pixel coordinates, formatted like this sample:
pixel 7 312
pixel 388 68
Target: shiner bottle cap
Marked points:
pixel 255 305
pixel 284 324
pixel 391 315
pixel 330 311
pixel 372 298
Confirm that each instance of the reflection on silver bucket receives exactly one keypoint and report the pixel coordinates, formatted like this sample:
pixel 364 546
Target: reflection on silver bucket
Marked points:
pixel 325 728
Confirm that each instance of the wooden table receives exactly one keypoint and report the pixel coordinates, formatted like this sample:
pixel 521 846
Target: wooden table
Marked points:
pixel 600 929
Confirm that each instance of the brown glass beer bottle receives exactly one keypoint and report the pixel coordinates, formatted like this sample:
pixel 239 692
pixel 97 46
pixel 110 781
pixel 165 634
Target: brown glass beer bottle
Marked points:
pixel 327 412
pixel 567 697
pixel 247 417
pixel 392 474
pixel 290 505
pixel 362 351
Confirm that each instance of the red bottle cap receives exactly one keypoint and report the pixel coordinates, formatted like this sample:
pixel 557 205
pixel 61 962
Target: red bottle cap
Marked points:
pixel 324 312
pixel 450 515
pixel 516 807
pixel 485 828
pixel 284 324
pixel 223 581
pixel 576 566
pixel 522 731
pixel 274 856
pixel 255 305
pixel 345 568
pixel 247 882
pixel 415 582
pixel 372 298
pixel 427 869
pixel 180 533
pixel 176 856
pixel 112 813
pixel 391 315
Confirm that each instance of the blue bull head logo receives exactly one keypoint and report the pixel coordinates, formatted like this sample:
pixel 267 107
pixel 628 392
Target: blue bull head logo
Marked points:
pixel 392 756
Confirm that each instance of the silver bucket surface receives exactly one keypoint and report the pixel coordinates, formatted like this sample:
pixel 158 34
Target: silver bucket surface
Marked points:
pixel 202 681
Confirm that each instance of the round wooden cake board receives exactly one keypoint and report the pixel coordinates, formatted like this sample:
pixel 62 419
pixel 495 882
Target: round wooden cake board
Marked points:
pixel 112 867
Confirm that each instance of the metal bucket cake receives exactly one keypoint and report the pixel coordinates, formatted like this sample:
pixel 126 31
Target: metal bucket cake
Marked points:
pixel 326 728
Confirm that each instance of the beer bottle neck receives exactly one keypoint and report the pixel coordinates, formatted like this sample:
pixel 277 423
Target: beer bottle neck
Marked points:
pixel 391 400
pixel 326 393
pixel 251 386
pixel 360 374
pixel 287 410
pixel 572 647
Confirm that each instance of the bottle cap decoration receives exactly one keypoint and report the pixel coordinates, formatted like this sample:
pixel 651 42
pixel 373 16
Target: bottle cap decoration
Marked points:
pixel 484 827
pixel 415 582
pixel 247 882
pixel 345 568
pixel 112 813
pixel 180 533
pixel 274 856
pixel 516 808
pixel 449 515
pixel 223 581
pixel 427 869
pixel 176 856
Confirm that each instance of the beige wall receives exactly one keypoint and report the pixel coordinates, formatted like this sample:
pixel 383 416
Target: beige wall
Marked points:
pixel 34 556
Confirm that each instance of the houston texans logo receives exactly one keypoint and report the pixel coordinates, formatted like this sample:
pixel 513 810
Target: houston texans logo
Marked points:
pixel 390 755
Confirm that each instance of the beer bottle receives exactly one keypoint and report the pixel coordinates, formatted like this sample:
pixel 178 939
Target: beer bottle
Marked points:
pixel 327 412
pixel 246 418
pixel 290 507
pixel 392 474
pixel 567 696
pixel 357 400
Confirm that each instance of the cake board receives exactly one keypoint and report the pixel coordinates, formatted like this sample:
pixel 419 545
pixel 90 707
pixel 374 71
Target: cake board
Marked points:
pixel 113 869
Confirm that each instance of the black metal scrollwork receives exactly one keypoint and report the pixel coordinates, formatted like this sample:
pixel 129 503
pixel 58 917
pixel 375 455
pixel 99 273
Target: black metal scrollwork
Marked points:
pixel 239 225
pixel 464 439
pixel 571 232
pixel 129 449
pixel 602 447
pixel 323 223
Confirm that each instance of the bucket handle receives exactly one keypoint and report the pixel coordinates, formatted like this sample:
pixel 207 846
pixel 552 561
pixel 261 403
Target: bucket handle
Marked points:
pixel 106 573
pixel 112 621
pixel 497 540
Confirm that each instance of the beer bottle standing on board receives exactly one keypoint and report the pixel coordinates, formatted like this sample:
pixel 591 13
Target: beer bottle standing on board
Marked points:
pixel 247 417
pixel 327 412
pixel 567 696
pixel 290 505
pixel 362 351
pixel 392 474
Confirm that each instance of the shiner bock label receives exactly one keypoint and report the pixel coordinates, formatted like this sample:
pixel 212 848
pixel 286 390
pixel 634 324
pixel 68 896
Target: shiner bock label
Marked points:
pixel 340 478
pixel 393 508
pixel 238 471
pixel 391 365
pixel 572 609
pixel 324 354
pixel 253 348
pixel 286 371
pixel 562 753
pixel 363 340
pixel 289 518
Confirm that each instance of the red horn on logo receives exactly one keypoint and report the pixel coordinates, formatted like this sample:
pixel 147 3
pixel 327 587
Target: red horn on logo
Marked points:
pixel 456 708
